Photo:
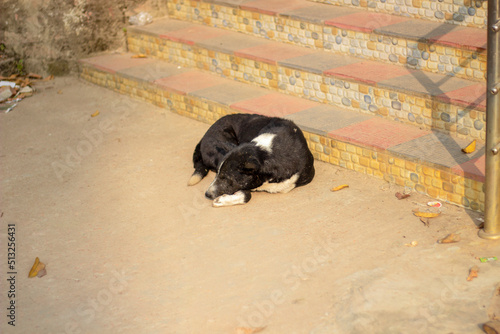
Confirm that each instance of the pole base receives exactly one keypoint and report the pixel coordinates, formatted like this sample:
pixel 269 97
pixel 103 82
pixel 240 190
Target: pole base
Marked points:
pixel 489 236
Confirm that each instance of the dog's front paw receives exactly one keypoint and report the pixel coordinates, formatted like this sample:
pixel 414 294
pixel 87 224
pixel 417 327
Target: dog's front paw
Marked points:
pixel 238 197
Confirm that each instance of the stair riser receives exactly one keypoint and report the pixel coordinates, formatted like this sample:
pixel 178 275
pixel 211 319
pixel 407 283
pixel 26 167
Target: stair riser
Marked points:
pixel 469 13
pixel 416 109
pixel 432 57
pixel 423 177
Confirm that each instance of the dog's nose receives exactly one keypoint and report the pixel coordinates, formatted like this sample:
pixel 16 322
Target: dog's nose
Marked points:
pixel 209 195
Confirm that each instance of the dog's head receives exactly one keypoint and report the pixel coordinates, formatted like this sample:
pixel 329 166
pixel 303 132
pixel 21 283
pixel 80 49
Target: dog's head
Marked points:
pixel 239 170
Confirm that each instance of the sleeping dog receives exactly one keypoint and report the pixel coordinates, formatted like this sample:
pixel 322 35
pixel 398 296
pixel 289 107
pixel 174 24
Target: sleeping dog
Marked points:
pixel 251 153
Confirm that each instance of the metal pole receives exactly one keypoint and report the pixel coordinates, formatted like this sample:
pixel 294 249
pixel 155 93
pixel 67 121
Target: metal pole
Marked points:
pixel 491 228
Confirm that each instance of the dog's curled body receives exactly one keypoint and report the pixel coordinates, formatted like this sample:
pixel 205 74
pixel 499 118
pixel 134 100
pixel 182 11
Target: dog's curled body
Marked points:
pixel 252 153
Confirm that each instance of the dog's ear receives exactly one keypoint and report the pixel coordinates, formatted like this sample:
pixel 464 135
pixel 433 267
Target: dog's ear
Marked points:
pixel 251 165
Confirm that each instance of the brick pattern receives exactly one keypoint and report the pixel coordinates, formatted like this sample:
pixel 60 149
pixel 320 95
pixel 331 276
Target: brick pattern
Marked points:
pixel 367 42
pixel 181 104
pixel 423 110
pixel 438 183
pixel 460 184
pixel 460 12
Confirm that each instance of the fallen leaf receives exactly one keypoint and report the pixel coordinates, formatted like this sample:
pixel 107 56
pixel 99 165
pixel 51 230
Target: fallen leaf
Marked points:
pixel 38 269
pixel 340 187
pixel 492 327
pixel 59 92
pixel 248 330
pixel 449 239
pixel 401 195
pixel 139 56
pixel 470 148
pixel 425 221
pixel 50 77
pixel 473 273
pixel 95 114
pixel 418 213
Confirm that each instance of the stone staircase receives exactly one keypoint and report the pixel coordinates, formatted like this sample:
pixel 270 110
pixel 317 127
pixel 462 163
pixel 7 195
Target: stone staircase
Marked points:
pixel 392 96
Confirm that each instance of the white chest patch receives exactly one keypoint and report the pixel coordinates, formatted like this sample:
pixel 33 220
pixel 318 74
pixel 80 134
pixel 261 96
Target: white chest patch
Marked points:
pixel 265 141
pixel 282 187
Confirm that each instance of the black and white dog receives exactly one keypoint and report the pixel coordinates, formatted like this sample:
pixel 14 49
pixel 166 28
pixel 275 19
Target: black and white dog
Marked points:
pixel 251 153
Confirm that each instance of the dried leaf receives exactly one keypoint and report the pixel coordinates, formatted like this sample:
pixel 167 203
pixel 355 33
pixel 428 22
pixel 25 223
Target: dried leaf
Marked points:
pixel 492 327
pixel 449 239
pixel 340 187
pixel 34 76
pixel 38 269
pixel 470 148
pixel 473 273
pixel 139 56
pixel 50 77
pixel 402 195
pixel 425 221
pixel 418 213
pixel 95 114
pixel 248 330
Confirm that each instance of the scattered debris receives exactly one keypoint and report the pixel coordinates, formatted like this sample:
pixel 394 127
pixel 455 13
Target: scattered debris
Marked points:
pixel 139 56
pixel 38 269
pixel 402 195
pixel 6 92
pixel 95 114
pixel 487 259
pixel 425 214
pixel 247 330
pixel 27 91
pixel 339 187
pixel 435 204
pixel 449 239
pixel 425 221
pixel 473 273
pixel 17 87
pixel 470 148
pixel 412 244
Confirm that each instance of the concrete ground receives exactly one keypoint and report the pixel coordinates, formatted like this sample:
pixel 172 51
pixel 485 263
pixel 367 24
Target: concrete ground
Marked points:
pixel 129 248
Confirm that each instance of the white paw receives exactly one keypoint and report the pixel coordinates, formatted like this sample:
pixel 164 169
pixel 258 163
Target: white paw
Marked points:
pixel 228 200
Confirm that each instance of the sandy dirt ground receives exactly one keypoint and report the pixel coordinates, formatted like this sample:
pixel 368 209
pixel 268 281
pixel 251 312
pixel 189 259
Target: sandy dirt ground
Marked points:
pixel 129 248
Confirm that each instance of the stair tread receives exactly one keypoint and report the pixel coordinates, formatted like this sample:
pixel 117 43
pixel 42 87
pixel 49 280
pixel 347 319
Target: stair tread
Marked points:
pixel 367 21
pixel 451 89
pixel 471 14
pixel 380 134
pixel 431 46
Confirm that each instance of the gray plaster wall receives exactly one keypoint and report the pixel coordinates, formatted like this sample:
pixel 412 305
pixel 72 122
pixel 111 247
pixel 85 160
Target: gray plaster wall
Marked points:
pixel 49 36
